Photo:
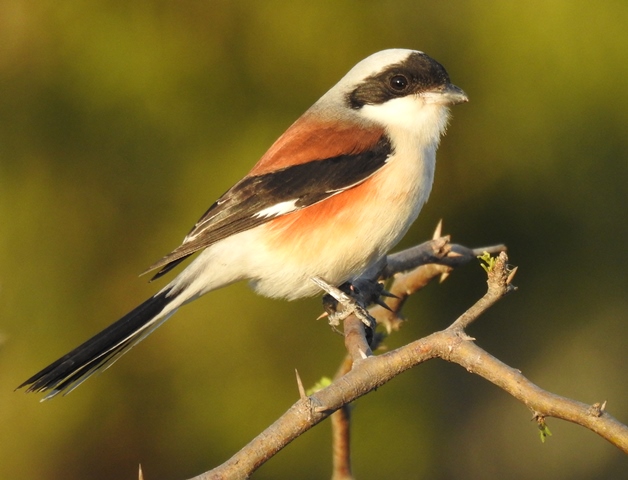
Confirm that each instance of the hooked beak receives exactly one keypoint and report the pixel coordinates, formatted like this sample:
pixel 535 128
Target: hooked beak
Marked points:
pixel 448 94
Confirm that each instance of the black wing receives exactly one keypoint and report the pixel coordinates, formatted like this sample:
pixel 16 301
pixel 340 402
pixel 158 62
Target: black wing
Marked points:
pixel 256 200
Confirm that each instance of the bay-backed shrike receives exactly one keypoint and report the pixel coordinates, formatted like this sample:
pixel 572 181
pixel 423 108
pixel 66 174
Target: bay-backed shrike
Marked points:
pixel 329 198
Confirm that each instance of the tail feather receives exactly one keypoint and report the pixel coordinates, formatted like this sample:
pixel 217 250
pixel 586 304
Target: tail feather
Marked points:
pixel 102 350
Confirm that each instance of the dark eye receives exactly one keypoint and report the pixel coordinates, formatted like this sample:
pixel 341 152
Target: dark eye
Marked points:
pixel 399 83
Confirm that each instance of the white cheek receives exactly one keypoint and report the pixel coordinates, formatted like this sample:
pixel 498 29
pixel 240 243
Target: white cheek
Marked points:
pixel 413 114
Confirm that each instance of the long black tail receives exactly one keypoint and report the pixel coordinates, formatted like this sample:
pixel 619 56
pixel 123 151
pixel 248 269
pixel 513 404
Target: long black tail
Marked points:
pixel 100 351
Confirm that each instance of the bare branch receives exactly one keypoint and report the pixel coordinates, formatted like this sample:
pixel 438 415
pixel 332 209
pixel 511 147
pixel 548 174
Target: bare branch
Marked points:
pixel 539 401
pixel 355 339
pixel 341 433
pixel 362 373
pixel 499 284
pixel 438 250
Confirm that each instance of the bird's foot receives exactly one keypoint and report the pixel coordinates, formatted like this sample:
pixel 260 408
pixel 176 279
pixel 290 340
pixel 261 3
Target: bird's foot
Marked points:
pixel 350 299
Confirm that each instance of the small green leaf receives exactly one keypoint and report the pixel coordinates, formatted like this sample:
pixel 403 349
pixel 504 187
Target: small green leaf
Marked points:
pixel 322 383
pixel 489 262
pixel 543 430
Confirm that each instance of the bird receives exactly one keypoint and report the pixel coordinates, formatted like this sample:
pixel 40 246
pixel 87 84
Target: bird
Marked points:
pixel 330 198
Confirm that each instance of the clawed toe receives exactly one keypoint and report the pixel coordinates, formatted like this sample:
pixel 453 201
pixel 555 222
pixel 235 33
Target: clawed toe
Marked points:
pixel 350 300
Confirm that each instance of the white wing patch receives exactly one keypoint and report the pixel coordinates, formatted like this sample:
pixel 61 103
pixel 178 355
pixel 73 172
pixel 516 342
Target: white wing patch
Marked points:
pixel 278 209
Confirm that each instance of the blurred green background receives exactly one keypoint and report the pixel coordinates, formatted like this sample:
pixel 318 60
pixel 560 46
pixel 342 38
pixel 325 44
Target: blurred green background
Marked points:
pixel 121 122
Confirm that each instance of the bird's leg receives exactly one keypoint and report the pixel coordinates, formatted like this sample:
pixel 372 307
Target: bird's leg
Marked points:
pixel 352 300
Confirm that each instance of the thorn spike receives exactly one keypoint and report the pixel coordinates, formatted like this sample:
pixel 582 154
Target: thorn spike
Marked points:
pixel 438 230
pixel 386 293
pixel 302 393
pixel 383 304
pixel 511 275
